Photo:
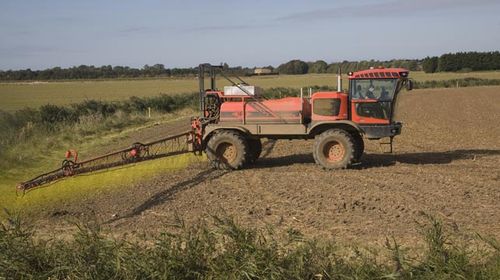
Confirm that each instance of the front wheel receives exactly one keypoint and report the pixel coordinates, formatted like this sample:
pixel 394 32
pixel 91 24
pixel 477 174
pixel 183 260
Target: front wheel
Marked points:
pixel 227 150
pixel 334 149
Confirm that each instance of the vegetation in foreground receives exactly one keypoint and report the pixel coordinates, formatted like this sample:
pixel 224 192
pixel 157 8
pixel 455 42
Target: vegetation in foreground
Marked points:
pixel 228 251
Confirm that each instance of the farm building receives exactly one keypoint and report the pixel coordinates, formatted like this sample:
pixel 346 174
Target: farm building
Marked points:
pixel 262 71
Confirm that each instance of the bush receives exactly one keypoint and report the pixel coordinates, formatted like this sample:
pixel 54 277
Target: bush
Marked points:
pixel 52 114
pixel 92 107
pixel 227 251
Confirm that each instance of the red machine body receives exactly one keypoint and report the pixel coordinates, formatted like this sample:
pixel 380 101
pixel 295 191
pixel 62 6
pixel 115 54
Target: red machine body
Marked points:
pixel 379 73
pixel 370 101
pixel 284 110
pixel 329 106
pixel 321 106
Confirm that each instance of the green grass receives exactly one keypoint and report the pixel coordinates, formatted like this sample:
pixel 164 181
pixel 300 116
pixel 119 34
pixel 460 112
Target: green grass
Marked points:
pixel 15 96
pixel 44 150
pixel 225 250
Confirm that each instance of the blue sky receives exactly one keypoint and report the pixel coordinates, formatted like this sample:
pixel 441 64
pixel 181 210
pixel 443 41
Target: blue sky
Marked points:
pixel 41 34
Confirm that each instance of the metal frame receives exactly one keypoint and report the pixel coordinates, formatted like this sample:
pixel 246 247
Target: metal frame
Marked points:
pixel 168 146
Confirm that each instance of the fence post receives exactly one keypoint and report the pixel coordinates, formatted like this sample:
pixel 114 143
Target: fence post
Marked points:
pixel 149 112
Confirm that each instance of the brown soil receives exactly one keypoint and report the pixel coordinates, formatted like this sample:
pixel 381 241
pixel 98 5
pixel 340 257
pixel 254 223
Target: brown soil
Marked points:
pixel 446 165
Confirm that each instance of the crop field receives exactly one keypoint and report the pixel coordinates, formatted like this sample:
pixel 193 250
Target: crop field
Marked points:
pixel 15 96
pixel 445 165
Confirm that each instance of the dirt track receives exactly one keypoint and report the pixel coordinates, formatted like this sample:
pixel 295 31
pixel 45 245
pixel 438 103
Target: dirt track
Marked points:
pixel 446 164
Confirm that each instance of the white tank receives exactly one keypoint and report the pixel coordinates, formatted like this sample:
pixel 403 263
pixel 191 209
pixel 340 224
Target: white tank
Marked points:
pixel 242 90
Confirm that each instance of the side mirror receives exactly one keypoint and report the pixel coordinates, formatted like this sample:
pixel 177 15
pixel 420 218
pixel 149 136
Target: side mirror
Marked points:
pixel 409 85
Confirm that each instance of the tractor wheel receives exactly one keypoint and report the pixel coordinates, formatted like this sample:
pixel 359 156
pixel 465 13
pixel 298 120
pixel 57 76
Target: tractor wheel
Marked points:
pixel 359 146
pixel 255 149
pixel 227 150
pixel 334 149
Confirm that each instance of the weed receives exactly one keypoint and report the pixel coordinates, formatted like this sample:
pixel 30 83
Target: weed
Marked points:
pixel 225 250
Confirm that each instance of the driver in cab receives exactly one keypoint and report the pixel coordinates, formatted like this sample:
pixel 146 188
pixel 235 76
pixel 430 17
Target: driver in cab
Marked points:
pixel 370 93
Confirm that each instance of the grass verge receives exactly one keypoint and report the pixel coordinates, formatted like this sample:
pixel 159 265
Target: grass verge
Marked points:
pixel 41 150
pixel 226 250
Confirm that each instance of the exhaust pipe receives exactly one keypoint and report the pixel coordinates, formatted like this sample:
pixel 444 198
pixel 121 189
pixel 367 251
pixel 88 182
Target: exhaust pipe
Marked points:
pixel 339 80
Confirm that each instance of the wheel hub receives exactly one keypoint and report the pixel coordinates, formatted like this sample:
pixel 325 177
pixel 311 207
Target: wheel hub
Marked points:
pixel 226 152
pixel 334 151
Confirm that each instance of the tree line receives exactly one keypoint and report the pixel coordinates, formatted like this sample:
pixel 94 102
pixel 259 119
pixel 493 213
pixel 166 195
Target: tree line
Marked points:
pixel 320 66
pixel 464 61
pixel 89 72
pixel 93 72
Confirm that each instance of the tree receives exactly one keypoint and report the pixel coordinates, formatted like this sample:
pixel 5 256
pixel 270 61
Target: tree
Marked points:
pixel 319 66
pixel 293 67
pixel 430 64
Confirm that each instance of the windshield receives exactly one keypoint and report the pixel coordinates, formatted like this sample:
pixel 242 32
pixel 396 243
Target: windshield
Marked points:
pixel 380 89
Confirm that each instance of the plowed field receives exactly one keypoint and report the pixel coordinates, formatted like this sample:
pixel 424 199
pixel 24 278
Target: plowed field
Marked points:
pixel 446 164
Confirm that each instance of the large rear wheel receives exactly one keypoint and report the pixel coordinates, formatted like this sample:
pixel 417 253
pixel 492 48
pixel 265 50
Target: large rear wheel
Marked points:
pixel 227 150
pixel 334 149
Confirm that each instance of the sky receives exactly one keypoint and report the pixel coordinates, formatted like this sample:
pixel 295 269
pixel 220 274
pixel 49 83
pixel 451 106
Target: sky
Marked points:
pixel 42 34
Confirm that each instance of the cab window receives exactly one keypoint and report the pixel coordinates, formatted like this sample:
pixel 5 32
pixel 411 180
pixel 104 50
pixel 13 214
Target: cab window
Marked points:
pixel 380 89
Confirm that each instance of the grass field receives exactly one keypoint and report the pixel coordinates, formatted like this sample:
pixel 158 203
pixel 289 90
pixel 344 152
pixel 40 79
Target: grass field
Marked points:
pixel 16 96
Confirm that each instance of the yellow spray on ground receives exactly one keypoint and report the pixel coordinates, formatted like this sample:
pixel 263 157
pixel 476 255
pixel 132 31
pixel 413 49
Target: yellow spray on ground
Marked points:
pixel 88 185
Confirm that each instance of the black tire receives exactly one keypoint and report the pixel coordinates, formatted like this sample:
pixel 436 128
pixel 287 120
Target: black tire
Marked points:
pixel 359 146
pixel 334 149
pixel 227 150
pixel 254 150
